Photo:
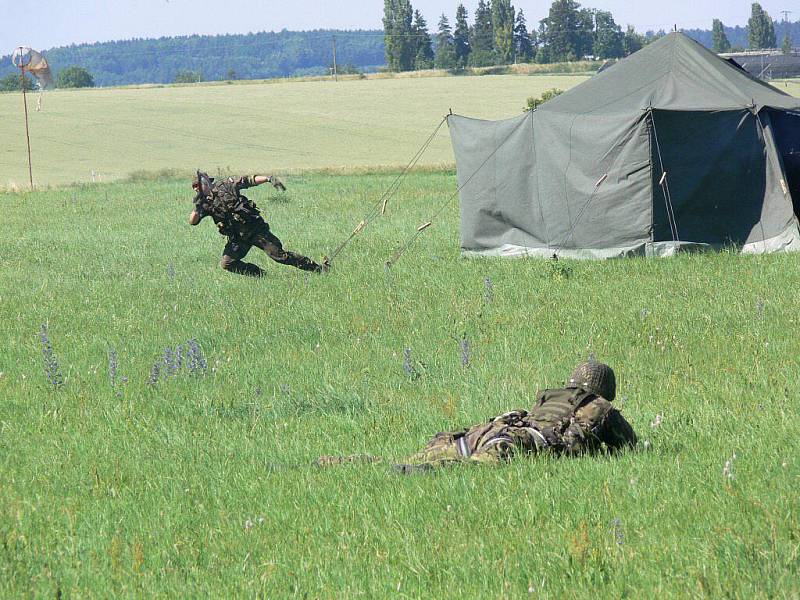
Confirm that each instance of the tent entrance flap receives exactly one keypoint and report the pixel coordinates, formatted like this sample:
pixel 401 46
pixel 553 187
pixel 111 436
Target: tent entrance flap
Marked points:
pixel 713 161
pixel 786 126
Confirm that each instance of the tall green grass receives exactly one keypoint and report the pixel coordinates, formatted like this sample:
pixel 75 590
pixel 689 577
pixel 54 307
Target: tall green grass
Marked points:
pixel 205 485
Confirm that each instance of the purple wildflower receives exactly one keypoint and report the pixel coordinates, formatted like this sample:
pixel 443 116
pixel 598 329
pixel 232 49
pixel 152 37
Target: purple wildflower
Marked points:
pixel 464 346
pixel 488 291
pixel 155 372
pixel 51 368
pixel 619 535
pixel 195 361
pixel 112 368
pixel 168 361
pixel 407 366
pixel 170 271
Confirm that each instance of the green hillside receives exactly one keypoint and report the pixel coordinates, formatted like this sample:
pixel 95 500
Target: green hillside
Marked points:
pixel 252 56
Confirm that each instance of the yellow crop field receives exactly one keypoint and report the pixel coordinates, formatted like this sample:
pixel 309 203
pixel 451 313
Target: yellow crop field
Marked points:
pixel 286 126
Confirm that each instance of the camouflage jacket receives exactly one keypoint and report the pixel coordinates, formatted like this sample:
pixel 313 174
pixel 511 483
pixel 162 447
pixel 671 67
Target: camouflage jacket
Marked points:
pixel 563 421
pixel 233 213
pixel 569 420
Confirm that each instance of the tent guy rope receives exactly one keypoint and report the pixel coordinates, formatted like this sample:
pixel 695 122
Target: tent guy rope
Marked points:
pixel 382 203
pixel 402 250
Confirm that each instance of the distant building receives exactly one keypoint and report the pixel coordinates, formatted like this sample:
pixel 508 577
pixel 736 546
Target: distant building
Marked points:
pixel 767 64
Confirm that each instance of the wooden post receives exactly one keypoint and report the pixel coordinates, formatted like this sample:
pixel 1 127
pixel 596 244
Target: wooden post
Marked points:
pixel 27 131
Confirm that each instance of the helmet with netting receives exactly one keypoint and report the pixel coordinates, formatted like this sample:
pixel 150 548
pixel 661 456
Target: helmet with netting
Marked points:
pixel 201 175
pixel 595 377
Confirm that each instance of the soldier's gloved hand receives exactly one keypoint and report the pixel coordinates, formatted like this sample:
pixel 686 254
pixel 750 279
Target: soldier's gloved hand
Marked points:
pixel 198 208
pixel 276 183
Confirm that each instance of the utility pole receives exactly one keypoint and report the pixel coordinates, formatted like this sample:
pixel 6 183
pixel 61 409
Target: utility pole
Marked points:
pixel 786 33
pixel 335 72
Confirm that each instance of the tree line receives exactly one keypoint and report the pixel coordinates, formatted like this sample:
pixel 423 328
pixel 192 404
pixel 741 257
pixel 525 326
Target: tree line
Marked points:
pixel 216 58
pixel 761 33
pixel 499 35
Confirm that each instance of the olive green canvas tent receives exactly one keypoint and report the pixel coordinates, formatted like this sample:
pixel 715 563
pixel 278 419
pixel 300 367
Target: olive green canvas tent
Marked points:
pixel 672 148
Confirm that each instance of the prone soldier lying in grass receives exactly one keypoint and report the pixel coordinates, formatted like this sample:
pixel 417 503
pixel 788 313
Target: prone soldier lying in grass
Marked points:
pixel 240 220
pixel 578 418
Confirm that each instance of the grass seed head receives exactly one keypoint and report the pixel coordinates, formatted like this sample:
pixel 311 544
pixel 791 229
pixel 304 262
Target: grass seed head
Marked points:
pixel 727 470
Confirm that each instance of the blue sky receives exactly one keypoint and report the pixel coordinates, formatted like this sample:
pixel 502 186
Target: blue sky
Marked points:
pixel 61 22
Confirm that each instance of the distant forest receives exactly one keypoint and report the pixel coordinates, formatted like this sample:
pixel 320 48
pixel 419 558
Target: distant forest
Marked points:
pixel 221 57
pixel 261 55
pixel 737 36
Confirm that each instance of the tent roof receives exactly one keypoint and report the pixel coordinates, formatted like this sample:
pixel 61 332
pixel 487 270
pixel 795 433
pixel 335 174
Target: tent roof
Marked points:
pixel 673 73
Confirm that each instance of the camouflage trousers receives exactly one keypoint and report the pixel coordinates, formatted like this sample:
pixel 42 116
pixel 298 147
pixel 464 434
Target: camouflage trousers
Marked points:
pixel 239 245
pixel 489 443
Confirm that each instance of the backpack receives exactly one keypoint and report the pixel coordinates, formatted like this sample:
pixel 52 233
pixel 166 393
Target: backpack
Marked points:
pixel 569 418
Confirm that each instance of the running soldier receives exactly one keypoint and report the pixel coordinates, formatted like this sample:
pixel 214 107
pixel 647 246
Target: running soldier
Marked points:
pixel 240 220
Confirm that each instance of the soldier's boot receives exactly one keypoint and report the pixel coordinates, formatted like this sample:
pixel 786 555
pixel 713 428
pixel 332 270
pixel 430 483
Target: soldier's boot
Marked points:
pixel 406 469
pixel 293 259
pixel 326 264
pixel 351 459
pixel 411 468
pixel 240 267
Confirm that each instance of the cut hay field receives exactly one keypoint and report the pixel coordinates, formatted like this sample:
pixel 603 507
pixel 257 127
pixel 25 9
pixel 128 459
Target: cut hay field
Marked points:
pixel 203 484
pixel 283 126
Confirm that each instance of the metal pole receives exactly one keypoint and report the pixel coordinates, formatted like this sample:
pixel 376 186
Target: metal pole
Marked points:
pixel 335 73
pixel 27 132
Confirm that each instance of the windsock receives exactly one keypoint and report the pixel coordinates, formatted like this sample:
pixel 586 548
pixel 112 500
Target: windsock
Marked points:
pixel 34 63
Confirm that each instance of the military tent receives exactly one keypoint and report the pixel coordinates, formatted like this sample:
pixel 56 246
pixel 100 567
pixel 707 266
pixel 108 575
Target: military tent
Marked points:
pixel 672 148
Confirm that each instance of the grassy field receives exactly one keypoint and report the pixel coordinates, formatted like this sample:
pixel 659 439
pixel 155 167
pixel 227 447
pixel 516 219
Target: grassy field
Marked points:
pixel 202 484
pixel 285 126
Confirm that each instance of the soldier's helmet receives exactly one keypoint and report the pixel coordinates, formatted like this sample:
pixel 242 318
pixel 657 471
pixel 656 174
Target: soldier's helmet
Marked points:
pixel 595 377
pixel 196 181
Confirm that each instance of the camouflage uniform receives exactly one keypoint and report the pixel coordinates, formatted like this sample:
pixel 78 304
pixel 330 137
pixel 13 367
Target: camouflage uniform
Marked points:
pixel 240 220
pixel 570 420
